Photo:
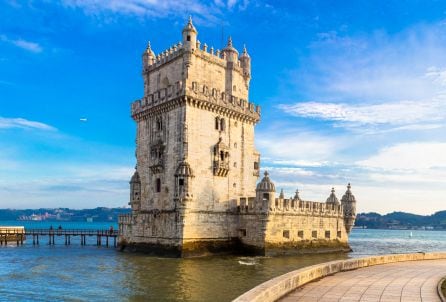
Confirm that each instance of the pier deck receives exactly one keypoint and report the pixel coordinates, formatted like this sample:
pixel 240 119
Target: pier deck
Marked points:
pixel 18 235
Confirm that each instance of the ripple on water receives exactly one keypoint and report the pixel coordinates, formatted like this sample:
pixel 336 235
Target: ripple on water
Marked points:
pixel 88 273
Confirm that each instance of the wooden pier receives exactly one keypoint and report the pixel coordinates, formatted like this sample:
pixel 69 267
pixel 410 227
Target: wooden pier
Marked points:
pixel 106 237
pixel 12 234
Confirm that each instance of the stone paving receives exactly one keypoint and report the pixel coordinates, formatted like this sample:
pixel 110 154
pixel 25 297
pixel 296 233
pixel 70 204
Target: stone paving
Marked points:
pixel 403 282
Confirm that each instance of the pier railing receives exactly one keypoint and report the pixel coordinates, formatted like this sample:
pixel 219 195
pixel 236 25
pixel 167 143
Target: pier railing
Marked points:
pixel 19 234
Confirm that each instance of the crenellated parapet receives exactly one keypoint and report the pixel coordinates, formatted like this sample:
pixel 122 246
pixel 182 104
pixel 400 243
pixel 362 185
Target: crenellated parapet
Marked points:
pixel 298 207
pixel 152 61
pixel 198 95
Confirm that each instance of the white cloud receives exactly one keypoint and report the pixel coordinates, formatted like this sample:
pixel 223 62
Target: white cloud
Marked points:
pixel 289 171
pixel 8 123
pixel 396 113
pixel 68 185
pixel 24 44
pixel 296 162
pixel 156 8
pixel 408 156
pixel 306 147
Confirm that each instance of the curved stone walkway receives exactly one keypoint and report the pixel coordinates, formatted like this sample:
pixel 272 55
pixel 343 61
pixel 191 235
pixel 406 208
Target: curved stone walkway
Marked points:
pixel 403 282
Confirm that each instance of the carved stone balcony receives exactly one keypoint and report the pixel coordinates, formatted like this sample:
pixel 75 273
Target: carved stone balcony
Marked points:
pixel 221 168
pixel 157 166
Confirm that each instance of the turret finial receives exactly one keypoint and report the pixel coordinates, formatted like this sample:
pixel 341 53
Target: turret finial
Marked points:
pixel 332 190
pixel 230 41
pixel 189 26
pixel 266 173
pixel 149 49
pixel 282 196
pixel 349 186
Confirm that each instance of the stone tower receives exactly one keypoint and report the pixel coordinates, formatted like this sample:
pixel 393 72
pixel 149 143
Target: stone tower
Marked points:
pixel 194 148
pixel 194 189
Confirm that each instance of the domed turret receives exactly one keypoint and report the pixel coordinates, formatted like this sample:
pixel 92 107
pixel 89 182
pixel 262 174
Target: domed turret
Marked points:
pixel 332 199
pixel 183 174
pixel 245 61
pixel 190 35
pixel 230 52
pixel 266 185
pixel 148 56
pixel 135 191
pixel 265 194
pixel 135 178
pixel 296 195
pixel 348 202
pixel 184 170
pixel 281 195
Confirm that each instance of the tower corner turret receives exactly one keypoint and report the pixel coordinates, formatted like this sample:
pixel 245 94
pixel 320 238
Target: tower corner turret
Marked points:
pixel 348 203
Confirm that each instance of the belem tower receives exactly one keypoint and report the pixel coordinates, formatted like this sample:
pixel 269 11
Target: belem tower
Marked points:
pixel 195 190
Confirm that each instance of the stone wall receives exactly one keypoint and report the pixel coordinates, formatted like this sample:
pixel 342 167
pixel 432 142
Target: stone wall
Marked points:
pixel 278 287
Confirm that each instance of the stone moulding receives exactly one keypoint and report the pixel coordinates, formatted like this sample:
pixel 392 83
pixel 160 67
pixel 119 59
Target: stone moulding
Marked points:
pixel 440 291
pixel 274 289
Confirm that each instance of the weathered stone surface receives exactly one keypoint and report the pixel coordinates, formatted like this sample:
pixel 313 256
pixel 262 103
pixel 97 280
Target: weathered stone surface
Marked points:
pixel 280 286
pixel 194 189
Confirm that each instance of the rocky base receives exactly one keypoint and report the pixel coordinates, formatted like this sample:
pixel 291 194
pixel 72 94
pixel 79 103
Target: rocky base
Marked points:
pixel 234 247
pixel 306 247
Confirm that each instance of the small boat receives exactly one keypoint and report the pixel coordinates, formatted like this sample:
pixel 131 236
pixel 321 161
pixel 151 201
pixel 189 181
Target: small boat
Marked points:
pixel 410 235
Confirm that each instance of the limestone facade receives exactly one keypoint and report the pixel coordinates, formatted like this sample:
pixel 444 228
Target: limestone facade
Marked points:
pixel 194 189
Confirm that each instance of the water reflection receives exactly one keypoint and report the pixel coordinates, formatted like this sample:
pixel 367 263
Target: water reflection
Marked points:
pixel 76 273
pixel 198 279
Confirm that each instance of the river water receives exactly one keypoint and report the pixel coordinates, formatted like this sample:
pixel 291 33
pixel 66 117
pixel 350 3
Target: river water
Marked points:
pixel 91 273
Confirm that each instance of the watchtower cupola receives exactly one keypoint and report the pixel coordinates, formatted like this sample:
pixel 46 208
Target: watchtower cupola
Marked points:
pixel 190 36
pixel 245 61
pixel 148 56
pixel 348 202
pixel 265 192
pixel 229 52
pixel 135 191
pixel 332 199
pixel 183 176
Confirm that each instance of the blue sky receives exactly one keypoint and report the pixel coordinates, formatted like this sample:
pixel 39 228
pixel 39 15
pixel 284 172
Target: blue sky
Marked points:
pixel 351 91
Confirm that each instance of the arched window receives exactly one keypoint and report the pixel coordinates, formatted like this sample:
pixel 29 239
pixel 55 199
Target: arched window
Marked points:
pixel 222 155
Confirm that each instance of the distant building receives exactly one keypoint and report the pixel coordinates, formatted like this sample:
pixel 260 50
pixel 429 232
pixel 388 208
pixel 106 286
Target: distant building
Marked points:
pixel 194 190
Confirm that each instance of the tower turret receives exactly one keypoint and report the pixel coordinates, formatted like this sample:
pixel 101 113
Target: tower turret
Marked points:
pixel 296 195
pixel 190 36
pixel 229 52
pixel 148 56
pixel 183 176
pixel 332 199
pixel 265 193
pixel 348 202
pixel 135 191
pixel 245 62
